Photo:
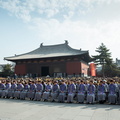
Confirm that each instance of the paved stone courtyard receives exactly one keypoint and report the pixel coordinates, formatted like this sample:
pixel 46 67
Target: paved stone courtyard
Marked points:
pixel 35 110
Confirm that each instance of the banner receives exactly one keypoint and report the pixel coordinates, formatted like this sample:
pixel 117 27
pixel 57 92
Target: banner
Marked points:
pixel 92 69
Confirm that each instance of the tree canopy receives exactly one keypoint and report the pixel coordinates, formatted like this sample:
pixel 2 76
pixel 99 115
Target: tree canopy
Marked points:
pixel 7 70
pixel 104 58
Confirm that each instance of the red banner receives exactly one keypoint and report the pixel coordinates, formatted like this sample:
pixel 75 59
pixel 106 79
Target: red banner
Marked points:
pixel 92 69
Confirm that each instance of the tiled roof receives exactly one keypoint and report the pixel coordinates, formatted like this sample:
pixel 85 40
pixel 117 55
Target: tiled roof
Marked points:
pixel 48 51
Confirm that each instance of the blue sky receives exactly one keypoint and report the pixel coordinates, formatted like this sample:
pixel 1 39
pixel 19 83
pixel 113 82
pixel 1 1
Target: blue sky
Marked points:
pixel 24 24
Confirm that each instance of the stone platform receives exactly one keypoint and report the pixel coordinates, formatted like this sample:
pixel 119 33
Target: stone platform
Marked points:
pixel 11 109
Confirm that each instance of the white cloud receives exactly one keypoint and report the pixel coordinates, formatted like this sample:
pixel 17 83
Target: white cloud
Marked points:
pixel 51 12
pixel 15 8
pixel 79 34
pixel 51 8
pixel 85 23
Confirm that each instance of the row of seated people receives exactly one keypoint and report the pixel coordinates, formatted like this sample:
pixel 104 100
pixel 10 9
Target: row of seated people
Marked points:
pixel 61 92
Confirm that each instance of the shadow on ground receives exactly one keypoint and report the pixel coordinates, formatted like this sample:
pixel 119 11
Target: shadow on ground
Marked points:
pixel 62 105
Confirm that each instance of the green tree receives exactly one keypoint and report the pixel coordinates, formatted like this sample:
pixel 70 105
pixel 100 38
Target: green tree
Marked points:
pixel 112 70
pixel 103 58
pixel 7 70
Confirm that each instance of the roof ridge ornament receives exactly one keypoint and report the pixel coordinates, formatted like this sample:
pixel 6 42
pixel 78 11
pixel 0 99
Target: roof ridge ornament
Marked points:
pixel 41 45
pixel 66 42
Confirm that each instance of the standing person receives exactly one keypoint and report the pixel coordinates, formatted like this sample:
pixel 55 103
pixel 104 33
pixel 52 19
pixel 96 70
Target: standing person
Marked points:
pixel 55 91
pixel 86 85
pixel 96 85
pixel 119 93
pixel 62 93
pixel 47 91
pixel 105 84
pixel 112 95
pixel 12 89
pixel 71 92
pixel 91 93
pixel 2 87
pixel 7 88
pixel 25 90
pixel 77 85
pixel 32 90
pixel 39 91
pixel 106 88
pixel 101 92
pixel 44 84
pixel 81 92
pixel 18 90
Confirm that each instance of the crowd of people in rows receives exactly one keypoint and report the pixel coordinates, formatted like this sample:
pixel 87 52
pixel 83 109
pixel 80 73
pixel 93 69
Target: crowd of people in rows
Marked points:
pixel 90 91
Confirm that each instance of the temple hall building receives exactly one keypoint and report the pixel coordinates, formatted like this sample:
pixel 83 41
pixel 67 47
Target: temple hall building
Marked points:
pixel 53 60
